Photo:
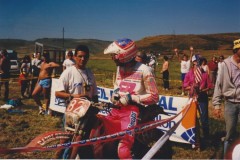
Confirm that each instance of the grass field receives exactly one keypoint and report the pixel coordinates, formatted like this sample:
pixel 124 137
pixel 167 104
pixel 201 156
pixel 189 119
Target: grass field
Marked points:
pixel 17 130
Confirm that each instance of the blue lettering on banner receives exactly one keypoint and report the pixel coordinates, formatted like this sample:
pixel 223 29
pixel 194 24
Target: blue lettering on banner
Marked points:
pixel 60 102
pixel 102 94
pixel 111 92
pixel 163 103
pixel 166 125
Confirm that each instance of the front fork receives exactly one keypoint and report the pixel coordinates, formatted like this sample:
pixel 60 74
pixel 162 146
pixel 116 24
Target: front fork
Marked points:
pixel 78 135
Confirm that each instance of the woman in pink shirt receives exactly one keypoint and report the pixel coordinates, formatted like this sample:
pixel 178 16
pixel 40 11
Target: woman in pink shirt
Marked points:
pixel 198 85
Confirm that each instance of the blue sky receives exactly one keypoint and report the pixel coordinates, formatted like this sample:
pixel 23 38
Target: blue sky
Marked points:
pixel 114 19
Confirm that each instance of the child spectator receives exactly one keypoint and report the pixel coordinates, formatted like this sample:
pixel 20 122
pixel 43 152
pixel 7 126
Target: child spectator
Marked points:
pixel 24 73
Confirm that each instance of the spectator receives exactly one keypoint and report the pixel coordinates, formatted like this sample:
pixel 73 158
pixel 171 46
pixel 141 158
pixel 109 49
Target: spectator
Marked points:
pixel 44 84
pixel 213 67
pixel 165 73
pixel 25 70
pixel 36 66
pixel 77 81
pixel 78 74
pixel 152 62
pixel 227 89
pixel 197 82
pixel 203 63
pixel 69 61
pixel 185 65
pixel 221 58
pixel 135 84
pixel 5 67
pixel 142 57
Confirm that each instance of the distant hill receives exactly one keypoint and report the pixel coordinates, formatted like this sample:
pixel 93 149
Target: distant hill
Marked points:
pixel 23 46
pixel 159 43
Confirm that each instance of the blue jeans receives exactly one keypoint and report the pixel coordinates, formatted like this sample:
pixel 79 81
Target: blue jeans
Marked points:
pixel 231 112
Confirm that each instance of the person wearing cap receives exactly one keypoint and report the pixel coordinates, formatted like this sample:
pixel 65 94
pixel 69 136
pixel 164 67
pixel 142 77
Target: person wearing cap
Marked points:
pixel 69 61
pixel 197 82
pixel 135 84
pixel 185 64
pixel 227 88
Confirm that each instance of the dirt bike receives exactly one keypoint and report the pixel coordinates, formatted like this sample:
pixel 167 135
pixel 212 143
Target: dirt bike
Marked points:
pixel 83 121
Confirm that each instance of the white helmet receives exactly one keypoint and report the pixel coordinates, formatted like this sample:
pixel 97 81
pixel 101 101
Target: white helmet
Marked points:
pixel 125 50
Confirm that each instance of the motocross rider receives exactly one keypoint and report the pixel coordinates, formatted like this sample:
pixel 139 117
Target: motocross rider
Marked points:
pixel 135 84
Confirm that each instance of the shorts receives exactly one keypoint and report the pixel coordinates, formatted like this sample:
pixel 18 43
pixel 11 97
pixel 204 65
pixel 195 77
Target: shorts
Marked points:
pixel 45 83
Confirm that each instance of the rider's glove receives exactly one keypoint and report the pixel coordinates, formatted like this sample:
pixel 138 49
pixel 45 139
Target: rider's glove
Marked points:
pixel 136 99
pixel 125 100
pixel 115 97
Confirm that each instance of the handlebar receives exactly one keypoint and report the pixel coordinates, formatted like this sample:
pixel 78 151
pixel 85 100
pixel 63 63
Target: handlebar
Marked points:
pixel 104 105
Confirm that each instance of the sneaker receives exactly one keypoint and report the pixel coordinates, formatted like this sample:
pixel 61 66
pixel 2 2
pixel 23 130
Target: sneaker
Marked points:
pixel 49 112
pixel 41 112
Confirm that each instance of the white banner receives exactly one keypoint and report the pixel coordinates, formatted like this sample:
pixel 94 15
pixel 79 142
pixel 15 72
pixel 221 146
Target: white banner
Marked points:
pixel 185 133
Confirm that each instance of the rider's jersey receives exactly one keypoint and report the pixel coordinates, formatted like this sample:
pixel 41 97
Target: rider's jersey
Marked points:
pixel 138 81
pixel 77 81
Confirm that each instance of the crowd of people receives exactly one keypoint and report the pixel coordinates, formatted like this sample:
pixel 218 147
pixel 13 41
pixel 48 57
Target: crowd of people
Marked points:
pixel 135 84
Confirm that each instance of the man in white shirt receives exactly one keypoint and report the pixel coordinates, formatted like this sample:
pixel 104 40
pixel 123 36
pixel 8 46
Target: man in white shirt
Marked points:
pixel 69 61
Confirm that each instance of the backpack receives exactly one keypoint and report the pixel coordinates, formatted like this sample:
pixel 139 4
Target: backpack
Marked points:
pixel 15 102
